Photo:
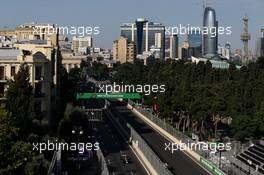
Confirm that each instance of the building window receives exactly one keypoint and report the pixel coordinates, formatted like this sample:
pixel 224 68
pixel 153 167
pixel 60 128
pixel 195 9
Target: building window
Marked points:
pixel 38 73
pixel 38 90
pixel 36 37
pixel 13 70
pixel 2 72
pixel 2 90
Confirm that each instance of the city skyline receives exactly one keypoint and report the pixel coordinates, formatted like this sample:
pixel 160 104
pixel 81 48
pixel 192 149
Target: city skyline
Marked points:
pixel 161 87
pixel 167 12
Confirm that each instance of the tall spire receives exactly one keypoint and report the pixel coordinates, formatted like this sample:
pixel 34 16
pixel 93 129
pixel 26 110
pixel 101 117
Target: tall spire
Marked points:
pixel 245 37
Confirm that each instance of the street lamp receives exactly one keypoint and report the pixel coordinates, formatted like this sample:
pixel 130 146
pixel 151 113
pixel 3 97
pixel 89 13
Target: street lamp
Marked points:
pixel 79 132
pixel 249 165
pixel 73 132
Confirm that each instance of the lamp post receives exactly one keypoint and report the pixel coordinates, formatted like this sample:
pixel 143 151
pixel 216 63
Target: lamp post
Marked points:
pixel 78 132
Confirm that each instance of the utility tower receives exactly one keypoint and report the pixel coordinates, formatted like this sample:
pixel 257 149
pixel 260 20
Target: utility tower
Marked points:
pixel 245 37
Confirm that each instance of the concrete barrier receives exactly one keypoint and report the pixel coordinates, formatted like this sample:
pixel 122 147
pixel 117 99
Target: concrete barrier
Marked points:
pixel 163 132
pixel 139 154
pixel 190 153
pixel 143 159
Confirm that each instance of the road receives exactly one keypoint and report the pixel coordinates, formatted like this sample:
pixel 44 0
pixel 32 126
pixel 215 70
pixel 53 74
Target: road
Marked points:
pixel 116 150
pixel 178 162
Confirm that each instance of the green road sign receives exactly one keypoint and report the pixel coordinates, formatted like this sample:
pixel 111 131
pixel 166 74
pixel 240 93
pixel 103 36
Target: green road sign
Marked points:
pixel 210 167
pixel 108 96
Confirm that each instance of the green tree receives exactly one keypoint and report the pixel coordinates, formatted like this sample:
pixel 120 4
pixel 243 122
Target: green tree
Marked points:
pixel 204 91
pixel 39 165
pixel 20 100
pixel 14 153
pixel 99 71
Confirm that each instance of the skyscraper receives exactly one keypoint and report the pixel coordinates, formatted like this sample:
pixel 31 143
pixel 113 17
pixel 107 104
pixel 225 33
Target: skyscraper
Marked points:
pixel 262 43
pixel 195 43
pixel 185 50
pixel 228 50
pixel 145 35
pixel 140 22
pixel 123 50
pixel 174 46
pixel 210 40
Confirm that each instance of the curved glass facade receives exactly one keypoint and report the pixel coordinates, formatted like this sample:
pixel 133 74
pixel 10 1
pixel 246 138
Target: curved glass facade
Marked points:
pixel 210 40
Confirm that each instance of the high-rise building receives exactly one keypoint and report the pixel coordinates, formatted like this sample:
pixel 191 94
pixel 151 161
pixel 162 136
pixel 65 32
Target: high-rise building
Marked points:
pixel 245 37
pixel 185 50
pixel 210 40
pixel 262 43
pixel 225 51
pixel 124 50
pixel 258 47
pixel 81 45
pixel 140 23
pixel 195 43
pixel 174 44
pixel 145 35
pixel 262 48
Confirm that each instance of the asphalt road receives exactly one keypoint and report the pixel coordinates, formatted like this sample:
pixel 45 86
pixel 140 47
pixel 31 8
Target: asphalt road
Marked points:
pixel 178 162
pixel 115 149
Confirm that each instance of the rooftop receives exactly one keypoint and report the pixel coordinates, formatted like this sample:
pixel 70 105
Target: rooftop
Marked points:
pixel 7 54
pixel 149 23
pixel 38 41
pixel 35 24
pixel 220 64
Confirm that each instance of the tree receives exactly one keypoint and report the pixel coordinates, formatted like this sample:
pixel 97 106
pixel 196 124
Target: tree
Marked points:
pixel 20 102
pixel 14 153
pixel 202 92
pixel 75 75
pixel 244 127
pixel 39 165
pixel 99 71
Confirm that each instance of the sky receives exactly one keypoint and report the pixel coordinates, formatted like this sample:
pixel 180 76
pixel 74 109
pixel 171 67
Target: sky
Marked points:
pixel 110 14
